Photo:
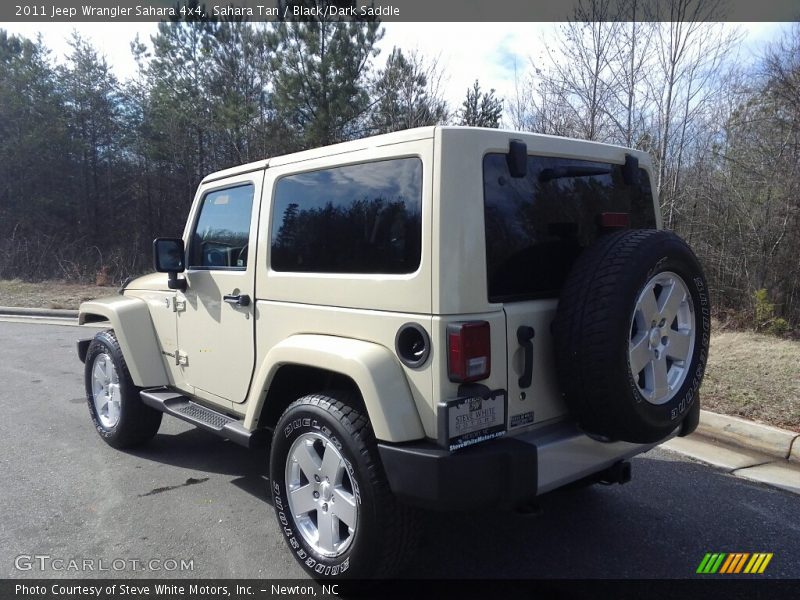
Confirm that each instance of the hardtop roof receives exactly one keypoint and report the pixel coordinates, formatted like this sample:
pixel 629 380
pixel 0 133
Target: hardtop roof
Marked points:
pixel 417 133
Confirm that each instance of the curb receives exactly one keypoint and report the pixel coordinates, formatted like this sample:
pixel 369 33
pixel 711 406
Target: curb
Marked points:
pixel 760 453
pixel 742 433
pixel 38 312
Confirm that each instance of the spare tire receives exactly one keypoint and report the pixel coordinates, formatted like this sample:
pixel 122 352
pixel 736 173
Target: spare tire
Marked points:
pixel 631 335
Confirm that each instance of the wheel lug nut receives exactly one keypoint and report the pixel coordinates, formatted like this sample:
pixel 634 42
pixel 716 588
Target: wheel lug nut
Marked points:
pixel 316 494
pixel 325 507
pixel 316 478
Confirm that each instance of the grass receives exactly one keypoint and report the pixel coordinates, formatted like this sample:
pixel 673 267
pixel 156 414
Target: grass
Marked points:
pixel 49 294
pixel 748 375
pixel 754 376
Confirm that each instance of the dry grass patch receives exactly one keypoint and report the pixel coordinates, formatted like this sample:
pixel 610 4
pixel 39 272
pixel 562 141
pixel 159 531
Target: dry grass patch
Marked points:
pixel 49 294
pixel 754 376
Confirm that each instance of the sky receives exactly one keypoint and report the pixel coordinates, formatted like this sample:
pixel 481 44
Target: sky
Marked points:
pixel 491 52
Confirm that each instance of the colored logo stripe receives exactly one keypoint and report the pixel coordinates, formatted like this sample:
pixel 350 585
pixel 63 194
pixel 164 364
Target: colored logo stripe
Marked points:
pixel 728 562
pixel 758 563
pixel 734 562
pixel 711 563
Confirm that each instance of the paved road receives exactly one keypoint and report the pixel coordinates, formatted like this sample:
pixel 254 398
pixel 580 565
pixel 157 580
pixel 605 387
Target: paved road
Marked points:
pixel 66 494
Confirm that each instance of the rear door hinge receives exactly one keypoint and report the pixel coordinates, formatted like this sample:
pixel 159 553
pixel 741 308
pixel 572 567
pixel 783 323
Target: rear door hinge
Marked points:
pixel 181 358
pixel 179 305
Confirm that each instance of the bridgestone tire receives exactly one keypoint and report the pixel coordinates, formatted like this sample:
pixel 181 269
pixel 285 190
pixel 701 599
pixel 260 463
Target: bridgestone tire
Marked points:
pixel 385 534
pixel 137 422
pixel 598 321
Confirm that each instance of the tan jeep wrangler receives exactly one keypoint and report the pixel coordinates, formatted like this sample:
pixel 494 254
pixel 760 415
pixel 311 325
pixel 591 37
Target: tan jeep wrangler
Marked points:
pixel 444 317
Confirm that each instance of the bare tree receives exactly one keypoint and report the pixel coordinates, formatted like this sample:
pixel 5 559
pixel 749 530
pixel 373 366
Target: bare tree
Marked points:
pixel 633 54
pixel 571 91
pixel 691 50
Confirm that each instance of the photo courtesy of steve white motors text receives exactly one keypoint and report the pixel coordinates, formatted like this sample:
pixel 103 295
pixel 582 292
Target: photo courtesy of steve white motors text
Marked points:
pixel 191 590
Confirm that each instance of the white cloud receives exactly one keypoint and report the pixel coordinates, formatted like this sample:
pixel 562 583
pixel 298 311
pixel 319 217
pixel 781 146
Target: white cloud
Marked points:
pixel 112 40
pixel 470 51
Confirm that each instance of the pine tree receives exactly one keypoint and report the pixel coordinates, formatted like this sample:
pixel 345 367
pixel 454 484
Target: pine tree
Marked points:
pixel 92 102
pixel 179 73
pixel 480 109
pixel 407 95
pixel 320 77
pixel 34 154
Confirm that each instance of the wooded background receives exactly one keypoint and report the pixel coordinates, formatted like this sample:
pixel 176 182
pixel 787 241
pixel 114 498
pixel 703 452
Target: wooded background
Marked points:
pixel 92 168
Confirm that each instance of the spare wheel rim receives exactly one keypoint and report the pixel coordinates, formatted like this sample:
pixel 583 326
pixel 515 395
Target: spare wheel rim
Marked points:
pixel 662 337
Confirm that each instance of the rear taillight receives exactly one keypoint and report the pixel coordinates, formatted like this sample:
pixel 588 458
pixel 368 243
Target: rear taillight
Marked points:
pixel 614 220
pixel 469 356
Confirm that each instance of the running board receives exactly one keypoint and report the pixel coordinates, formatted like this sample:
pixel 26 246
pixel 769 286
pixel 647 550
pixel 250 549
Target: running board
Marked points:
pixel 186 409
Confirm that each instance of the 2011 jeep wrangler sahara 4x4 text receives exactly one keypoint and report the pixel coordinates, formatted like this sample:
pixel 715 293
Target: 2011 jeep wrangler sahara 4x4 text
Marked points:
pixel 447 317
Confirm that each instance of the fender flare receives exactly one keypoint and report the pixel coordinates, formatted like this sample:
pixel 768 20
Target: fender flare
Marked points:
pixel 374 369
pixel 130 319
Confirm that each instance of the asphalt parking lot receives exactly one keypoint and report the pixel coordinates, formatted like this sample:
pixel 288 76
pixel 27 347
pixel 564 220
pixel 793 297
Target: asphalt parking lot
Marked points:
pixel 191 496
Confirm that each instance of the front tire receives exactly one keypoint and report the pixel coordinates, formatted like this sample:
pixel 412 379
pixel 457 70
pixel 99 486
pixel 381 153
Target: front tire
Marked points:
pixel 330 493
pixel 118 413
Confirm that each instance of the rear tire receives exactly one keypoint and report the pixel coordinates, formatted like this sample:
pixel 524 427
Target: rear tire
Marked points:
pixel 118 413
pixel 330 493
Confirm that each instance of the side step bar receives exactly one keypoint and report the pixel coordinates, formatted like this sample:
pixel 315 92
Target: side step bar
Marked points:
pixel 178 405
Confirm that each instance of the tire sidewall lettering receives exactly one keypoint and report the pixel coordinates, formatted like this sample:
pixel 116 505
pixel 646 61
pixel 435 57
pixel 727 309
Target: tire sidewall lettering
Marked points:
pixel 678 407
pixel 703 322
pixel 321 566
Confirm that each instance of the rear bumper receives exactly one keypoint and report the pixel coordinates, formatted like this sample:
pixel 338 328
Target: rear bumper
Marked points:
pixel 502 473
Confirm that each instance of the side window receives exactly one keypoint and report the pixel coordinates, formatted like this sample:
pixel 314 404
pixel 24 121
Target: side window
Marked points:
pixel 222 230
pixel 364 218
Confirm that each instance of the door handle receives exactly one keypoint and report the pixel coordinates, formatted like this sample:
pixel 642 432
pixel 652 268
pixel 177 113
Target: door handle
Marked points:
pixel 237 300
pixel 524 336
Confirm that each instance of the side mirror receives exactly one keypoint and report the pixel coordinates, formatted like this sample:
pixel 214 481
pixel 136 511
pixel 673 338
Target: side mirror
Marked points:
pixel 169 257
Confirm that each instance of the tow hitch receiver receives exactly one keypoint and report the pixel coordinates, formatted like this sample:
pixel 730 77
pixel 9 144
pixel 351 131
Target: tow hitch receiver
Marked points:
pixel 619 472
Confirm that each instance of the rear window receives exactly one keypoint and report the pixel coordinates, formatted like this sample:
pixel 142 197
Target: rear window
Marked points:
pixel 363 218
pixel 537 225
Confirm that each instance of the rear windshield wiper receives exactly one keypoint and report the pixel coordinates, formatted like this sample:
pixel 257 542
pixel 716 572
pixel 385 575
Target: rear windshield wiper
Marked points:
pixel 562 172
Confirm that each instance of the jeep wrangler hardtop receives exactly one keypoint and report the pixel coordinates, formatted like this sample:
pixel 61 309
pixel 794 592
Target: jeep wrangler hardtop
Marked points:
pixel 444 317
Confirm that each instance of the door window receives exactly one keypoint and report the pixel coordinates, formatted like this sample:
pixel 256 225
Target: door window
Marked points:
pixel 222 231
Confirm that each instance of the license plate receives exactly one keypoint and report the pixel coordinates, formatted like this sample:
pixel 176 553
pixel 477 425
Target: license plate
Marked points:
pixel 469 420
